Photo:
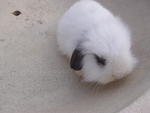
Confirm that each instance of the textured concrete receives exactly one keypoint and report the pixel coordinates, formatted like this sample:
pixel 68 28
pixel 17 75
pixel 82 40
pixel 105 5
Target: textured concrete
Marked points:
pixel 35 78
pixel 141 105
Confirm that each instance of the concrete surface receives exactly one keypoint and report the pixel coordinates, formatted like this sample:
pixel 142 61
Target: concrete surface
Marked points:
pixel 141 105
pixel 35 78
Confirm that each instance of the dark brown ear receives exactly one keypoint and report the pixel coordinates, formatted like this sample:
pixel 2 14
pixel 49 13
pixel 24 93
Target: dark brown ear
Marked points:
pixel 76 59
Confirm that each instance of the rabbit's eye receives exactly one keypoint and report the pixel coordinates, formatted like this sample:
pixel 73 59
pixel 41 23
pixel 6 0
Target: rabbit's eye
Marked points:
pixel 100 60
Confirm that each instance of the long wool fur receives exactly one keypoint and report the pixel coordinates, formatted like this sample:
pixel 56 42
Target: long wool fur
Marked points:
pixel 93 27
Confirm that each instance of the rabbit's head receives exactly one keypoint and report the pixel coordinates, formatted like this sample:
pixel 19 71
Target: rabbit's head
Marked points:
pixel 102 62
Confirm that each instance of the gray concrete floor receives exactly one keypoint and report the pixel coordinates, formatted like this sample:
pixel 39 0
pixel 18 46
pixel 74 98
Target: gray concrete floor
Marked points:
pixel 35 78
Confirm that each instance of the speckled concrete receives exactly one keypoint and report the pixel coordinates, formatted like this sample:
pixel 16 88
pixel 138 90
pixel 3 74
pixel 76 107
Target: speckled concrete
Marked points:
pixel 36 78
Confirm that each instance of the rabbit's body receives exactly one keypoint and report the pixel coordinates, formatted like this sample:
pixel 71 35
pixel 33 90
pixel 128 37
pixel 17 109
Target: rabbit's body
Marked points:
pixel 93 31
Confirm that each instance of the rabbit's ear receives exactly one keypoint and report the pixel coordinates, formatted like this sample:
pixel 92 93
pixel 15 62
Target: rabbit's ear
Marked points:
pixel 76 59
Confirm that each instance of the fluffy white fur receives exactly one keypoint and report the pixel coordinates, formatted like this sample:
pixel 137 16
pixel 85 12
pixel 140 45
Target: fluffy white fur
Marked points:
pixel 99 32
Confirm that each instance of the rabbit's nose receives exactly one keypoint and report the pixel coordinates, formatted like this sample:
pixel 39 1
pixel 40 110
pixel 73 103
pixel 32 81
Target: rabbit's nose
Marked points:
pixel 80 74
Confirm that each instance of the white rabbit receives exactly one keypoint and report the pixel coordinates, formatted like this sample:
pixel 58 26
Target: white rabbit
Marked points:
pixel 97 43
